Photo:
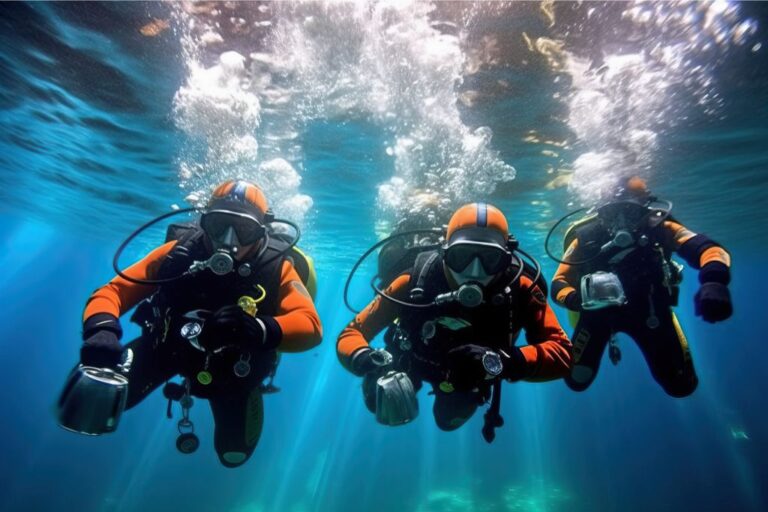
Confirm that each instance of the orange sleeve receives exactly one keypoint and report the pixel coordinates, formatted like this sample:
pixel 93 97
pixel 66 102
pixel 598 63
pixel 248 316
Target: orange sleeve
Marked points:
pixel 297 316
pixel 370 321
pixel 676 235
pixel 548 353
pixel 120 295
pixel 566 278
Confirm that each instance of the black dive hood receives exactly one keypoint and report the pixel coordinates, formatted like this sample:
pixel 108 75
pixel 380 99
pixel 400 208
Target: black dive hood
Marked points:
pixel 624 220
pixel 466 293
pixel 217 256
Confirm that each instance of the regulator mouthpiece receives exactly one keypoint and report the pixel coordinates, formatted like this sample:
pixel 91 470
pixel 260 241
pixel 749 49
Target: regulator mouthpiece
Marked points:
pixel 622 239
pixel 221 262
pixel 468 295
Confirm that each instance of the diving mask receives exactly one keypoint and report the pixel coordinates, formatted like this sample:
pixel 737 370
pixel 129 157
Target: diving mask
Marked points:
pixel 477 262
pixel 228 228
pixel 492 258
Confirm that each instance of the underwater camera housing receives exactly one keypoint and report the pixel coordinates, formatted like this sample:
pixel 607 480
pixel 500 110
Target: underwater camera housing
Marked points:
pixel 396 402
pixel 93 400
pixel 601 290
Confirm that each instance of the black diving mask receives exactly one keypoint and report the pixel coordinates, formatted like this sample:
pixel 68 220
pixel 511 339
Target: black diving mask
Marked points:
pixel 493 259
pixel 628 215
pixel 218 225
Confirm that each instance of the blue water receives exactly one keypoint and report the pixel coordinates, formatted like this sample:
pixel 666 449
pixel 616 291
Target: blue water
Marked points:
pixel 89 150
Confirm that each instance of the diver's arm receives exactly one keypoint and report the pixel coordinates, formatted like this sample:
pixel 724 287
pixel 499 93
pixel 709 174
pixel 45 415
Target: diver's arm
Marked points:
pixel 297 324
pixel 120 295
pixel 370 321
pixel 713 300
pixel 565 281
pixel 699 251
pixel 548 353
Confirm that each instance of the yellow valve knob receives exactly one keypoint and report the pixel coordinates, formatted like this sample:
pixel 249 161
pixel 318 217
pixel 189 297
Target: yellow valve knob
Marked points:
pixel 251 305
pixel 248 304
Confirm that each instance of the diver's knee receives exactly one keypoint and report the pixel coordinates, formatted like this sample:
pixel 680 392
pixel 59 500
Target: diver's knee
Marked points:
pixel 449 424
pixel 680 386
pixel 581 378
pixel 233 459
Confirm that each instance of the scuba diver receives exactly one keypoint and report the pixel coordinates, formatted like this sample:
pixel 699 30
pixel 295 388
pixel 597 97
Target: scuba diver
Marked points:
pixel 452 319
pixel 217 303
pixel 617 275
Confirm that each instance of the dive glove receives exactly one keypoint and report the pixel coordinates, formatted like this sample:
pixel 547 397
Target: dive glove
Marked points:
pixel 101 341
pixel 573 301
pixel 470 365
pixel 713 300
pixel 231 325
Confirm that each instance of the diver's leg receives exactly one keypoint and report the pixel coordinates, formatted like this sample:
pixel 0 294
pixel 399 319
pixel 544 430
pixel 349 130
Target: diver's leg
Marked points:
pixel 666 351
pixel 150 368
pixel 238 416
pixel 589 339
pixel 452 410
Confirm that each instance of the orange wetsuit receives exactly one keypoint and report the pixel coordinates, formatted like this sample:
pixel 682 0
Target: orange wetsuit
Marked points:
pixel 297 316
pixel 547 355
pixel 235 399
pixel 647 317
pixel 674 237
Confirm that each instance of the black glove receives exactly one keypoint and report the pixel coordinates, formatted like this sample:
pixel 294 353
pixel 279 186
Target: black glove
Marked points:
pixel 231 325
pixel 467 370
pixel 713 302
pixel 101 341
pixel 465 367
pixel 367 360
pixel 573 301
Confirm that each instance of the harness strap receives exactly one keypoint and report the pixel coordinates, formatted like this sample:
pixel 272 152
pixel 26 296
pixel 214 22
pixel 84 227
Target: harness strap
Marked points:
pixel 423 267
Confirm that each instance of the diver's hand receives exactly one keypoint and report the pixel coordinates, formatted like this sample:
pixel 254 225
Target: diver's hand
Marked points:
pixel 367 360
pixel 467 369
pixel 231 325
pixel 101 341
pixel 713 302
pixel 573 302
pixel 102 350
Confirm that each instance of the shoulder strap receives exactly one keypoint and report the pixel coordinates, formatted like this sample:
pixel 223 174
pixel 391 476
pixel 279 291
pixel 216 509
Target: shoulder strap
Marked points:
pixel 420 282
pixel 577 228
pixel 187 248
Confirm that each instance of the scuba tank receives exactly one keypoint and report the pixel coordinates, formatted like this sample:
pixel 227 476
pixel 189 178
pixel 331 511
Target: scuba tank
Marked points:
pixel 93 399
